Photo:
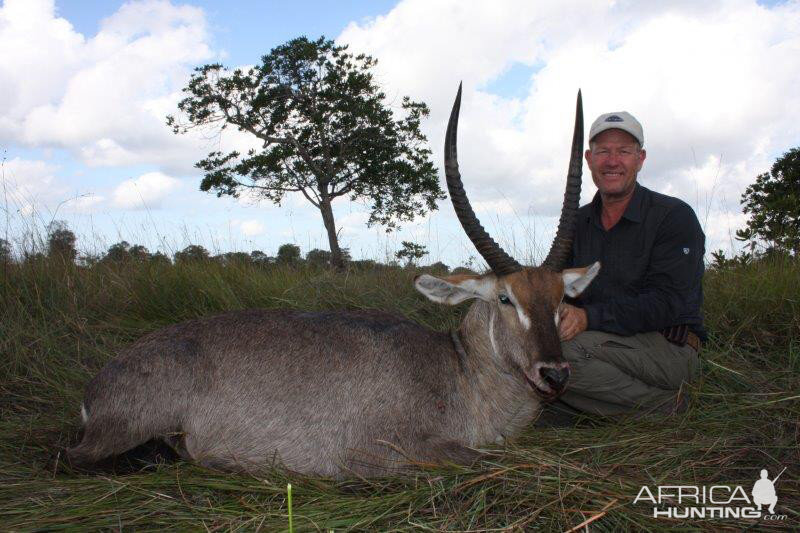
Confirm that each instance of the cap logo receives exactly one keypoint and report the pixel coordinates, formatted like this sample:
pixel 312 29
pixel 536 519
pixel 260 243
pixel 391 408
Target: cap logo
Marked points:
pixel 614 118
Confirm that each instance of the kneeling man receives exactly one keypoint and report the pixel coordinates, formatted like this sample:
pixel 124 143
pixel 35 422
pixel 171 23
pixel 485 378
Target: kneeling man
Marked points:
pixel 632 337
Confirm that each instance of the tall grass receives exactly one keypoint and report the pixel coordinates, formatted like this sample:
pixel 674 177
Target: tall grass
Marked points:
pixel 61 323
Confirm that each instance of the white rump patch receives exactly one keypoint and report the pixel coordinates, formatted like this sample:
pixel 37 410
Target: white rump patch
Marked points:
pixel 84 414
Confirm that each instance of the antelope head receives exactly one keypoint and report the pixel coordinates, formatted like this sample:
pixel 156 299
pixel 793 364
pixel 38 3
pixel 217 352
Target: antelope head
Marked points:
pixel 523 301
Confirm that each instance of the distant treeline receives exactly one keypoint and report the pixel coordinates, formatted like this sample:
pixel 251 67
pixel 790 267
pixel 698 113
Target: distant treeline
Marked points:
pixel 60 245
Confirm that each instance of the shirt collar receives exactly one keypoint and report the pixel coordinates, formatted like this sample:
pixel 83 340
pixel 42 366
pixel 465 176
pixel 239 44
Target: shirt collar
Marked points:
pixel 633 211
pixel 635 207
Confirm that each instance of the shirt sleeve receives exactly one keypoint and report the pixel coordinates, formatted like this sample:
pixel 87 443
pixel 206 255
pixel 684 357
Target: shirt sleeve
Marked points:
pixel 676 252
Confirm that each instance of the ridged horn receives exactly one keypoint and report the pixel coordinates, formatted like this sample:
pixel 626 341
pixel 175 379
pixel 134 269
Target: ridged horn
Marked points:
pixel 561 249
pixel 500 262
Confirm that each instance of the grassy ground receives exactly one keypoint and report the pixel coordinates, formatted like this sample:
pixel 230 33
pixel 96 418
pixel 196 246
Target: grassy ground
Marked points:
pixel 61 324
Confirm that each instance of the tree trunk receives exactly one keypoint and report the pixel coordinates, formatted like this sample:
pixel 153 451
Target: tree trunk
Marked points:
pixel 333 240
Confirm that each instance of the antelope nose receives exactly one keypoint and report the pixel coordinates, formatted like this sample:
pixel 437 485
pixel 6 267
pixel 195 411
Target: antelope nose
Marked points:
pixel 555 377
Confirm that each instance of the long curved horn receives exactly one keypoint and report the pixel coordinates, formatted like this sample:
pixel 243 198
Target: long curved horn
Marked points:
pixel 500 262
pixel 561 249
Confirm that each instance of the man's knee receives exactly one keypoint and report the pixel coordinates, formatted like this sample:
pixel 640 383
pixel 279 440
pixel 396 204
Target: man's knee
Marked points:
pixel 611 383
pixel 646 357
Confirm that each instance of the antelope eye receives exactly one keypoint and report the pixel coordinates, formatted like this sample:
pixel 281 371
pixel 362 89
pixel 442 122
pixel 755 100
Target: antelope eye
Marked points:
pixel 504 299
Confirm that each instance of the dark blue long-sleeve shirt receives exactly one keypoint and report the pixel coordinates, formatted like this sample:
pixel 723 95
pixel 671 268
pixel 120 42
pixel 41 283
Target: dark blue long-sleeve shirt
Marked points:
pixel 651 265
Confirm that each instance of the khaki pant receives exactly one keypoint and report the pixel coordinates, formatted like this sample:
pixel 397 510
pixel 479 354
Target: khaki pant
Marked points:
pixel 615 375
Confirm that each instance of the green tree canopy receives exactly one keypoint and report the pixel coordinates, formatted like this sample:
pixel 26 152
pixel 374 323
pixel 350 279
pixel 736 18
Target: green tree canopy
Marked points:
pixel 192 253
pixel 118 253
pixel 411 252
pixel 288 254
pixel 773 203
pixel 325 130
pixel 122 252
pixel 139 252
pixel 260 258
pixel 5 251
pixel 159 258
pixel 61 241
pixel 439 268
pixel 318 257
pixel 234 258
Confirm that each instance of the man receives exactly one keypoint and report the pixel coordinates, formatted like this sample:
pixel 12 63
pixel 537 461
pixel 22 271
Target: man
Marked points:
pixel 632 337
pixel 764 492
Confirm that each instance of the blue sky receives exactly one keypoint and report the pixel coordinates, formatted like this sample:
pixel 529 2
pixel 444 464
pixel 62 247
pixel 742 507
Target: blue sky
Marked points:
pixel 84 137
pixel 246 30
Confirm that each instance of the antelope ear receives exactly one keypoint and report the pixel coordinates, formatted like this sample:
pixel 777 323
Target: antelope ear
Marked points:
pixel 455 289
pixel 577 279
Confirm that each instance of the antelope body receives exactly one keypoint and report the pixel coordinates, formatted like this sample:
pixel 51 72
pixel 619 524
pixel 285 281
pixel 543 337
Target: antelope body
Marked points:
pixel 349 392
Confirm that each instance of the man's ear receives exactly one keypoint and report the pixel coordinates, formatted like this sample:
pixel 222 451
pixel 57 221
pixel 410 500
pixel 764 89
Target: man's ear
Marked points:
pixel 577 279
pixel 455 289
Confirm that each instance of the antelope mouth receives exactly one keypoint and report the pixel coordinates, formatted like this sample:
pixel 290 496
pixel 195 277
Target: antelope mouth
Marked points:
pixel 544 393
pixel 548 383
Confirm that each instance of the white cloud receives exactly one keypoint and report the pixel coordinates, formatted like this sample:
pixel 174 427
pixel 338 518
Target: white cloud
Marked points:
pixel 352 223
pixel 85 204
pixel 714 84
pixel 104 97
pixel 29 184
pixel 145 192
pixel 250 228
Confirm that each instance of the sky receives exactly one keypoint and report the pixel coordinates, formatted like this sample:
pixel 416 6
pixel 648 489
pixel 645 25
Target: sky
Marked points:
pixel 85 87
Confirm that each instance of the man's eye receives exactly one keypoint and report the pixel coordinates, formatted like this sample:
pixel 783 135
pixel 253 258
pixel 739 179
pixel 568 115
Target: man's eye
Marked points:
pixel 504 299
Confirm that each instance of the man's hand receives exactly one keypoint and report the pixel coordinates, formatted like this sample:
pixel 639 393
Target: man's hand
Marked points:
pixel 572 320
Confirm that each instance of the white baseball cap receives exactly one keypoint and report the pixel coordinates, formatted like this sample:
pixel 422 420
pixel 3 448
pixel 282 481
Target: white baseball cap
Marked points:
pixel 619 120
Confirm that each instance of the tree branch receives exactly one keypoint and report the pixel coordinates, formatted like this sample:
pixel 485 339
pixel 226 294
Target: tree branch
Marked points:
pixel 280 189
pixel 316 200
pixel 346 188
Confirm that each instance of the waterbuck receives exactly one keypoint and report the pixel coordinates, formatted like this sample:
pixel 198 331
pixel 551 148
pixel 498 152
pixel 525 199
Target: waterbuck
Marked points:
pixel 351 392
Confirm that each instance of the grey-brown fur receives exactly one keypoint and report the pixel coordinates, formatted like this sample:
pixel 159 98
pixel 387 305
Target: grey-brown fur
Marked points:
pixel 322 393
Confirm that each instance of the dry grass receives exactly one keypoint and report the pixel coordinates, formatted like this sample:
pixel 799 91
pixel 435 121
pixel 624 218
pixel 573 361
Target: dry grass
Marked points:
pixel 60 323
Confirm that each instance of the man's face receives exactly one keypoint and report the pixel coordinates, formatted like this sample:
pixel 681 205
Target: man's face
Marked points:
pixel 614 157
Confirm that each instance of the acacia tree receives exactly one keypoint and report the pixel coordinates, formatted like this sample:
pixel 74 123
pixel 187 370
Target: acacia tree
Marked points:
pixel 325 131
pixel 773 203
